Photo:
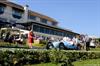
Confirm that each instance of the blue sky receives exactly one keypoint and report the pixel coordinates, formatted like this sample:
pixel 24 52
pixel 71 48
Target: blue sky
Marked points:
pixel 81 16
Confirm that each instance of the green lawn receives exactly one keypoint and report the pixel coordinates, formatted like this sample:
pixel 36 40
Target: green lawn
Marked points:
pixel 93 62
pixel 38 45
pixel 45 64
pixel 95 49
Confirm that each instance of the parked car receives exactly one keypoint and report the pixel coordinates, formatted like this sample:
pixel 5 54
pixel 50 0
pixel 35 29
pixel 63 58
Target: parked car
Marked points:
pixel 92 43
pixel 62 45
pixel 52 44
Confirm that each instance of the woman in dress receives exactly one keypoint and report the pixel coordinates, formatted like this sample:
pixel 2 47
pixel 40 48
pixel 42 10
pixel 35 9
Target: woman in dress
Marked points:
pixel 30 38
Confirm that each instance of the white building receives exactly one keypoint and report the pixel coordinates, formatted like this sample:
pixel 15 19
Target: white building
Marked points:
pixel 11 14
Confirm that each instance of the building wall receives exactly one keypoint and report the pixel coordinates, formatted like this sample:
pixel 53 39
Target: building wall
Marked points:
pixel 8 15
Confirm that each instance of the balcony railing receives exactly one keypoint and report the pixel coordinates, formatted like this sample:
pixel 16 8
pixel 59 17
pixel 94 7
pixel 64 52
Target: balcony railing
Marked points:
pixel 3 19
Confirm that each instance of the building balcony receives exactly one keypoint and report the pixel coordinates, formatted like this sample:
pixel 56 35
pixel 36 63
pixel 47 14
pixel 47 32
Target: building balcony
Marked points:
pixel 3 19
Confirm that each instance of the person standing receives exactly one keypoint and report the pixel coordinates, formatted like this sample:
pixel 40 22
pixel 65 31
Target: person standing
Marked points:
pixel 30 38
pixel 76 41
pixel 87 40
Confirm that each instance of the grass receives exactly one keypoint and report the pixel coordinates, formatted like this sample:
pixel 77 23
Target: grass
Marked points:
pixel 95 49
pixel 7 44
pixel 38 45
pixel 93 62
pixel 45 64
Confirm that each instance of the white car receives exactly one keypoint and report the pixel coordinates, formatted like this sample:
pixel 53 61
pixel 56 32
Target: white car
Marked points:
pixel 92 44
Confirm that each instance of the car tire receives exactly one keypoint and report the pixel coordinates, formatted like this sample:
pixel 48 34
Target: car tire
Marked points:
pixel 50 45
pixel 61 46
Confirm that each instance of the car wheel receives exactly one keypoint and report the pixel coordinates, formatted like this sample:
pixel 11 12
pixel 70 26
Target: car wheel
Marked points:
pixel 61 46
pixel 50 45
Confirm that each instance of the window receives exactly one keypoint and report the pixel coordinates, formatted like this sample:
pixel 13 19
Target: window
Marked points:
pixel 36 28
pixel 1 9
pixel 44 21
pixel 32 17
pixel 17 13
pixel 42 29
pixel 54 23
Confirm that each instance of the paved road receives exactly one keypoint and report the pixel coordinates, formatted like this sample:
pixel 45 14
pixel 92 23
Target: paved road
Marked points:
pixel 22 46
pixel 35 49
pixel 26 49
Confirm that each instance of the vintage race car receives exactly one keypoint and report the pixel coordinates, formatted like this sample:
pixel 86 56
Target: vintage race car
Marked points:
pixel 61 45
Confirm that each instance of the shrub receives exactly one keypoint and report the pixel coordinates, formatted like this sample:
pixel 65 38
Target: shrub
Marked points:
pixel 22 57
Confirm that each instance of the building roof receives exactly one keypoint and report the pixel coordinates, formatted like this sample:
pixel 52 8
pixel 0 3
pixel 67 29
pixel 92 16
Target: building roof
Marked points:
pixel 12 4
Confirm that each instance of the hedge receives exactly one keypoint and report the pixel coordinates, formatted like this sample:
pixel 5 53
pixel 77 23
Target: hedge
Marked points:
pixel 23 57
